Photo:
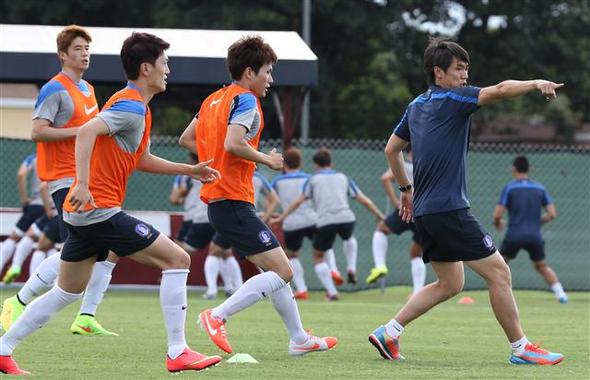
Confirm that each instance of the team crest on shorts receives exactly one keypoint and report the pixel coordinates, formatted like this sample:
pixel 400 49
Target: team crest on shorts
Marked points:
pixel 142 230
pixel 488 242
pixel 265 237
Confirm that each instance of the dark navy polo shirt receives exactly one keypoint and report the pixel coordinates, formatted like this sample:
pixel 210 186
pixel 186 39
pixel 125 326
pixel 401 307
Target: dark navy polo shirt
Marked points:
pixel 524 200
pixel 437 125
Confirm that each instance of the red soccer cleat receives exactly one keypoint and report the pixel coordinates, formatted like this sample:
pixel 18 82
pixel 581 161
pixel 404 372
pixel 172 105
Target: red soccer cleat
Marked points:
pixel 301 295
pixel 337 278
pixel 191 360
pixel 215 328
pixel 9 366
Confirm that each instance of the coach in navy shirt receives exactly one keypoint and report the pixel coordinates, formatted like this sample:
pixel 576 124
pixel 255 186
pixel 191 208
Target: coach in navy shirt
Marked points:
pixel 437 125
pixel 525 201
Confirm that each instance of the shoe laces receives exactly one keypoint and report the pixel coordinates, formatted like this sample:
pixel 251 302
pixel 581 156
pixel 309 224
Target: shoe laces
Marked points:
pixel 535 348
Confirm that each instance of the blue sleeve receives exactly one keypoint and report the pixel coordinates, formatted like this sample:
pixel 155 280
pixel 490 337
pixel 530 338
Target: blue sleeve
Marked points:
pixel 463 99
pixel 307 190
pixel 353 189
pixel 243 110
pixel 402 129
pixel 265 184
pixel 547 200
pixel 128 105
pixel 28 161
pixel 503 201
pixel 176 181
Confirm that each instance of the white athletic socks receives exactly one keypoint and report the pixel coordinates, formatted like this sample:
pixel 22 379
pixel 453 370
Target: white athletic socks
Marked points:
pixel 331 260
pixel 418 273
pixel 6 251
pixel 298 274
pixel 322 270
pixel 257 287
pixel 174 305
pixel 350 248
pixel 235 272
pixel 379 248
pixel 41 280
pixel 285 305
pixel 36 259
pixel 22 251
pixel 394 329
pixel 35 316
pixel 558 291
pixel 97 286
pixel 212 264
pixel 224 271
pixel 518 346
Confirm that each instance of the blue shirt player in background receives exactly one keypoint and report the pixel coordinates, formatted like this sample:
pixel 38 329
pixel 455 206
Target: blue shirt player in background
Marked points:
pixel 525 201
pixel 437 125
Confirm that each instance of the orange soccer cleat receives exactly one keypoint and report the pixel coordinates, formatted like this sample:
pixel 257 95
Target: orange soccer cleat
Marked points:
pixel 215 328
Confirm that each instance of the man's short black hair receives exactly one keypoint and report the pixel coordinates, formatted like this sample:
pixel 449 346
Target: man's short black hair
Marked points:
pixel 322 157
pixel 521 164
pixel 440 52
pixel 140 48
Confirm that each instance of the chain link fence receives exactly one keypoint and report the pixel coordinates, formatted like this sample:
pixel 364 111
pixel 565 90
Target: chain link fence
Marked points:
pixel 564 170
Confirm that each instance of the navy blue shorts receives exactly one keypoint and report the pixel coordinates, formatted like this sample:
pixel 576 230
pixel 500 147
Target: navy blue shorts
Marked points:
pixel 30 214
pixel 221 241
pixel 59 198
pixel 397 226
pixel 199 235
pixel 324 236
pixel 186 226
pixel 453 236
pixel 122 234
pixel 238 223
pixel 51 230
pixel 294 239
pixel 41 222
pixel 536 249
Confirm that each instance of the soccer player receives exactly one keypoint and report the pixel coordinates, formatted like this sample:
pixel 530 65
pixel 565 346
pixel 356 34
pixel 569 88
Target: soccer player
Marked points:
pixel 64 104
pixel 394 224
pixel 329 191
pixel 437 125
pixel 177 196
pixel 228 130
pixel 108 149
pixel 525 200
pixel 32 206
pixel 301 223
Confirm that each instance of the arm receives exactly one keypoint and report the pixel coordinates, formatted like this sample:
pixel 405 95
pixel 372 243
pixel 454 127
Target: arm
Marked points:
pixel 85 140
pixel 395 158
pixel 21 180
pixel 271 203
pixel 550 213
pixel 369 205
pixel 292 207
pixel 236 144
pixel 187 139
pixel 153 164
pixel 47 203
pixel 497 215
pixel 43 131
pixel 513 88
pixel 386 180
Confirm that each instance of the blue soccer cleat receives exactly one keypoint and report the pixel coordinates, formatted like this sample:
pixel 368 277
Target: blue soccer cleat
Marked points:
pixel 535 355
pixel 387 346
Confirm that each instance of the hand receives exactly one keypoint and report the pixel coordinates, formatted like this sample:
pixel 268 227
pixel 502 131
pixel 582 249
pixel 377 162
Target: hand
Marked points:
pixel 204 173
pixel 80 197
pixel 548 88
pixel 406 210
pixel 25 202
pixel 499 224
pixel 275 161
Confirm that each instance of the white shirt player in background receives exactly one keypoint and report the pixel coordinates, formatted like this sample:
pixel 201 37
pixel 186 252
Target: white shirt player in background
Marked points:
pixel 329 191
pixel 393 224
pixel 29 191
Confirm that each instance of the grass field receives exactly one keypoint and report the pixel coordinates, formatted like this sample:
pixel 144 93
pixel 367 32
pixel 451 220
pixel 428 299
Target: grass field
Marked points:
pixel 451 342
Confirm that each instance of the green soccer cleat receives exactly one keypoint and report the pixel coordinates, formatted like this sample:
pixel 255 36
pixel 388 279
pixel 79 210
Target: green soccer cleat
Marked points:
pixel 376 273
pixel 89 326
pixel 11 274
pixel 11 310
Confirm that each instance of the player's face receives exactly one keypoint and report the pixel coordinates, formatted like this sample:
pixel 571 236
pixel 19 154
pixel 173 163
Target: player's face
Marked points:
pixel 262 80
pixel 158 73
pixel 455 76
pixel 78 55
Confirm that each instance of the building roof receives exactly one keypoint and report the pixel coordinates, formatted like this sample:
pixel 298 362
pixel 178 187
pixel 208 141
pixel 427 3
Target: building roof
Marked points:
pixel 28 54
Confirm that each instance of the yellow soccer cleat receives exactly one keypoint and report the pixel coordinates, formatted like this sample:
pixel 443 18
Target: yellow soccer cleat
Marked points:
pixel 89 326
pixel 377 273
pixel 12 308
pixel 11 274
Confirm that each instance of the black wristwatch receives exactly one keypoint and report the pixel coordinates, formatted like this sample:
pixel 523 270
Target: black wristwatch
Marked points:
pixel 405 188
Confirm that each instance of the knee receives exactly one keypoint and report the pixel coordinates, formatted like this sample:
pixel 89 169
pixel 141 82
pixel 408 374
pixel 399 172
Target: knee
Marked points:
pixel 540 266
pixel 181 260
pixel 451 288
pixel 502 275
pixel 382 227
pixel 318 257
pixel 285 272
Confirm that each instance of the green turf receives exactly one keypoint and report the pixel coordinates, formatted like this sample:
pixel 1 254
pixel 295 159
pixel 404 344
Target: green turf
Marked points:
pixel 451 342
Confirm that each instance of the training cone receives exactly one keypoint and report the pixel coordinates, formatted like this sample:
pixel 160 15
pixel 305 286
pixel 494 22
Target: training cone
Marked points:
pixel 466 301
pixel 242 358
